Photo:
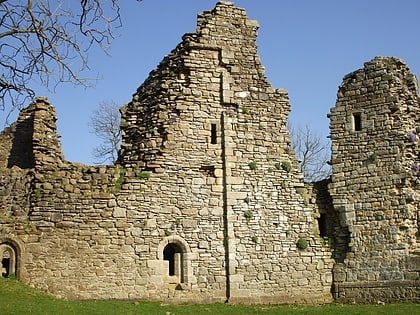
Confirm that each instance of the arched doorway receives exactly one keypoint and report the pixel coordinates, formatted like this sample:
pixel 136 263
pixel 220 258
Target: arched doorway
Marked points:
pixel 173 254
pixel 176 255
pixel 8 260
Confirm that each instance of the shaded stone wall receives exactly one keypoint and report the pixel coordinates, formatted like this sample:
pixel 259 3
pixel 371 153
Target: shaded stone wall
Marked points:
pixel 329 229
pixel 15 191
pixel 374 181
pixel 16 140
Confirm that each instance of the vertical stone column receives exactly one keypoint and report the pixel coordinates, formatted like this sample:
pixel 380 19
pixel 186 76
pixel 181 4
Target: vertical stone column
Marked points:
pixel 46 144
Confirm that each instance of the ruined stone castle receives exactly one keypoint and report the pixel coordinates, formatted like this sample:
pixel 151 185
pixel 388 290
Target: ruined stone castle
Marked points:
pixel 206 203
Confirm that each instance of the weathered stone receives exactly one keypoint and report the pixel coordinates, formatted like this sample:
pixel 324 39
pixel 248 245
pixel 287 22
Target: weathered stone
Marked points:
pixel 367 192
pixel 198 207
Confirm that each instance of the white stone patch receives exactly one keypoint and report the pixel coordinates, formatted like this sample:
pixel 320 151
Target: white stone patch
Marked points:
pixel 242 94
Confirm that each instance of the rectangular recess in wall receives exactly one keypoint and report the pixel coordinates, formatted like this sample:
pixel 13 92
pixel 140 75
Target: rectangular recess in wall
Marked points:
pixel 357 121
pixel 213 134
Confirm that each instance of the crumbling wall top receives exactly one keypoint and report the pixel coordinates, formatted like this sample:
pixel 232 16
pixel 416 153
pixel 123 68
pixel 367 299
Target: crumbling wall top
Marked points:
pixel 32 141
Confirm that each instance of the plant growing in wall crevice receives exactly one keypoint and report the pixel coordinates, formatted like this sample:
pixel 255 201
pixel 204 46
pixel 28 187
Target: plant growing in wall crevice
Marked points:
pixel 119 182
pixel 286 166
pixel 252 166
pixel 248 215
pixel 39 192
pixel 373 157
pixel 300 191
pixel 144 175
pixel 245 110
pixel 302 243
pixel 326 241
pixel 28 227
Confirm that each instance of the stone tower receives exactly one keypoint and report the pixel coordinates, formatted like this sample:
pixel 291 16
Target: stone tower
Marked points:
pixel 375 185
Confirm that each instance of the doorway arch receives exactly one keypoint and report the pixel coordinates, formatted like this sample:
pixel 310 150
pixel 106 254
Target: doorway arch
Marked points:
pixel 8 259
pixel 176 252
pixel 174 255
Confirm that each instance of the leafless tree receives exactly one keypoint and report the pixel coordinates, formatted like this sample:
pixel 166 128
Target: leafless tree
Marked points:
pixel 312 152
pixel 105 124
pixel 46 42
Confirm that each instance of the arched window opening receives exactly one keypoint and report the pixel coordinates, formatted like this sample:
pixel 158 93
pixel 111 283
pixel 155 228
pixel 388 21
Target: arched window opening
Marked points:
pixel 5 265
pixel 174 255
pixel 8 260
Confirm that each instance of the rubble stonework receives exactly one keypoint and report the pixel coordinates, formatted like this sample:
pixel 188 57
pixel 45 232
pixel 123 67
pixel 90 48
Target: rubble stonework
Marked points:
pixel 205 203
pixel 374 185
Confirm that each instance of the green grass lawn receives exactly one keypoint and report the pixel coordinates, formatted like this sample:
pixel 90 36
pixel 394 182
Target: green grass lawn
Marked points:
pixel 17 298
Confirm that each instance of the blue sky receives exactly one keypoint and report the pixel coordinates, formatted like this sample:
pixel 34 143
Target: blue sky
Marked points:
pixel 306 47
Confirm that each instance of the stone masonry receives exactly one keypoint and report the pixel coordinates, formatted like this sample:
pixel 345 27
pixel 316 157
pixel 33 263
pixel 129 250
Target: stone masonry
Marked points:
pixel 375 183
pixel 205 203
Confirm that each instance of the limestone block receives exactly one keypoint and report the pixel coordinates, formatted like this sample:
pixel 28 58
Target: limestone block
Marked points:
pixel 234 180
pixel 119 212
pixel 237 278
pixel 217 188
pixel 237 195
pixel 159 267
pixel 189 223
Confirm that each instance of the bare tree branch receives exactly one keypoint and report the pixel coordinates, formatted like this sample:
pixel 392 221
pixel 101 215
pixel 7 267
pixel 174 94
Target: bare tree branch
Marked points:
pixel 312 152
pixel 105 124
pixel 46 41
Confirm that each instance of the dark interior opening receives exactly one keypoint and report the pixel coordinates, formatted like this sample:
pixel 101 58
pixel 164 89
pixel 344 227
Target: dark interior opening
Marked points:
pixel 213 134
pixel 322 224
pixel 357 121
pixel 169 254
pixel 5 265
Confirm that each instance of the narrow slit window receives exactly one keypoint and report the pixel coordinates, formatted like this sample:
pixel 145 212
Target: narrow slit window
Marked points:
pixel 322 225
pixel 357 121
pixel 213 134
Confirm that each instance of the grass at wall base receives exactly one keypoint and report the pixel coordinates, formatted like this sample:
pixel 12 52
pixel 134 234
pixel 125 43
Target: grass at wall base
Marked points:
pixel 18 298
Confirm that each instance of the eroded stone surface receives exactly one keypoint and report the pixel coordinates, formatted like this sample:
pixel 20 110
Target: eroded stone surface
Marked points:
pixel 205 203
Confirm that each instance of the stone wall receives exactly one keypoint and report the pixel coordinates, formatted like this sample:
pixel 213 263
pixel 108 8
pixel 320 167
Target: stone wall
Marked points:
pixel 330 229
pixel 218 120
pixel 374 182
pixel 205 202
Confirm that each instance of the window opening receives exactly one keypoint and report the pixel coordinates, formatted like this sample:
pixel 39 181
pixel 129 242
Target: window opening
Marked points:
pixel 6 268
pixel 213 134
pixel 173 254
pixel 357 122
pixel 322 225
